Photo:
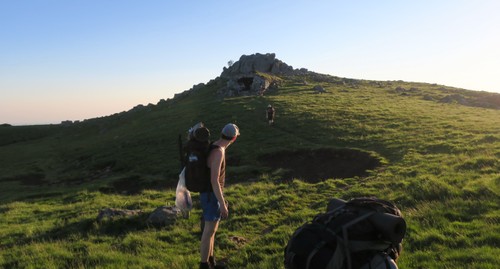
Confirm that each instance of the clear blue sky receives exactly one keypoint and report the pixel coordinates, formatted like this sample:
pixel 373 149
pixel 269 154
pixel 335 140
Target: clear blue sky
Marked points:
pixel 75 60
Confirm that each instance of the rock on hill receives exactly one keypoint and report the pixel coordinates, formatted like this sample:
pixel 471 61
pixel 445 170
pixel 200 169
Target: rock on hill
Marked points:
pixel 251 64
pixel 259 73
pixel 245 77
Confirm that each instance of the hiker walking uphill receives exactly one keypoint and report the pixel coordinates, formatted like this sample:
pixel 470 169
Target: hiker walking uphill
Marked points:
pixel 270 114
pixel 213 203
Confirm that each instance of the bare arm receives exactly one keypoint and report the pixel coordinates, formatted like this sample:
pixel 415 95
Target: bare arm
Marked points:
pixel 215 162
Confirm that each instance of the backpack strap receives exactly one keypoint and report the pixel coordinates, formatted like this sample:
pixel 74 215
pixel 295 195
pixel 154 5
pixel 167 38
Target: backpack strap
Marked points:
pixel 337 260
pixel 345 236
pixel 320 245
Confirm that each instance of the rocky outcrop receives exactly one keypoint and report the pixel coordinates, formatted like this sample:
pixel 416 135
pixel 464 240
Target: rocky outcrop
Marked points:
pixel 163 215
pixel 258 74
pixel 319 89
pixel 476 99
pixel 251 64
pixel 254 75
pixel 455 98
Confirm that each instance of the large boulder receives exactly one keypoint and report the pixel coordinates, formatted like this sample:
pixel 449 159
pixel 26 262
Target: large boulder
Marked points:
pixel 163 215
pixel 454 98
pixel 244 77
pixel 319 89
pixel 251 64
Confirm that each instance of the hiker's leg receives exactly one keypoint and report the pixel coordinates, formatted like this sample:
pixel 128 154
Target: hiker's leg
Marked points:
pixel 207 239
pixel 212 240
pixel 211 215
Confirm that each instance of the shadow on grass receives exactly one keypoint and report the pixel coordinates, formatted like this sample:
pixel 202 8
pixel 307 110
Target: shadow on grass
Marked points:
pixel 113 227
pixel 320 164
pixel 131 185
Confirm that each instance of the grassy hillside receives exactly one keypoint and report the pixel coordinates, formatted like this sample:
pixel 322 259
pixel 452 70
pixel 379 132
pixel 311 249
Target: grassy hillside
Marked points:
pixel 438 161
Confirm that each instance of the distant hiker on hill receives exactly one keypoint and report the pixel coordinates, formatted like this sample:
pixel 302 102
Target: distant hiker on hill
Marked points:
pixel 262 89
pixel 270 114
pixel 213 203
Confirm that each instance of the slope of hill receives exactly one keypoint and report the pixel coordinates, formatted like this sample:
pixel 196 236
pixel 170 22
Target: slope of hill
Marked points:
pixel 433 150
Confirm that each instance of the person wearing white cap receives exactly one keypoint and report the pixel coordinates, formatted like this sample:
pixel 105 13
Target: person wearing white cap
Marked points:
pixel 213 204
pixel 270 114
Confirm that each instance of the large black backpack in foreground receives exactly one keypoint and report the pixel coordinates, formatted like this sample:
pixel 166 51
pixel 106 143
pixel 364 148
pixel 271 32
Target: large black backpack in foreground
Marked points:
pixel 364 233
pixel 196 150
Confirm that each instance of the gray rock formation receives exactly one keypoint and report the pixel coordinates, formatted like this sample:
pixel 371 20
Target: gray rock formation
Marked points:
pixel 319 89
pixel 247 76
pixel 163 215
pixel 455 98
pixel 251 64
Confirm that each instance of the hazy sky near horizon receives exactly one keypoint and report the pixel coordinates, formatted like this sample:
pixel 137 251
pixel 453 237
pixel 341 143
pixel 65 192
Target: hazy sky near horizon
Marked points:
pixel 75 60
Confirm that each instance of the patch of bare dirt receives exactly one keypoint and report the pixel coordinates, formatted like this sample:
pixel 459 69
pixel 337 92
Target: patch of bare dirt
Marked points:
pixel 238 240
pixel 321 164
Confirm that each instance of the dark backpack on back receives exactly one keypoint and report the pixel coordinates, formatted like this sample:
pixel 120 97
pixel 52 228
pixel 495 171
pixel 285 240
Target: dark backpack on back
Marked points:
pixel 197 173
pixel 359 233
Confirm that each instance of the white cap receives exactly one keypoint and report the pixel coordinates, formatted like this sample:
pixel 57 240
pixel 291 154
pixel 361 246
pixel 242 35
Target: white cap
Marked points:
pixel 230 131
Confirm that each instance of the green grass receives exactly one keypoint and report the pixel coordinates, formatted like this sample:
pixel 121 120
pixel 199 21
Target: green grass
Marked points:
pixel 440 166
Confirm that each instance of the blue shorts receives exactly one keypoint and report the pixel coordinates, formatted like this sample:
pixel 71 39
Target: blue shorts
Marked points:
pixel 210 206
